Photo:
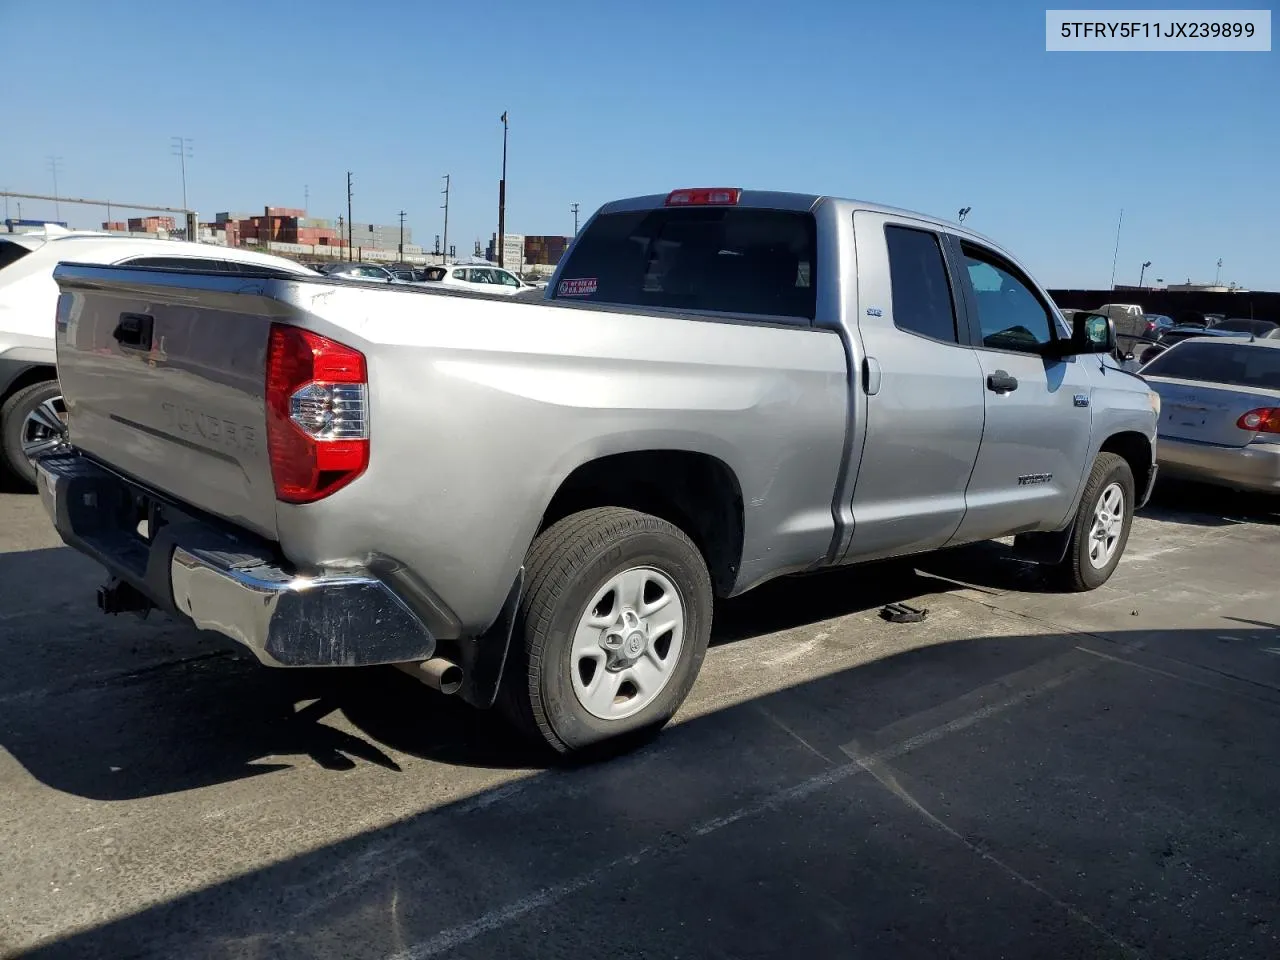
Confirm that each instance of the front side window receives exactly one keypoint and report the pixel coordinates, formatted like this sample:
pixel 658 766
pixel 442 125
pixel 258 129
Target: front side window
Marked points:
pixel 736 260
pixel 1011 317
pixel 507 279
pixel 921 292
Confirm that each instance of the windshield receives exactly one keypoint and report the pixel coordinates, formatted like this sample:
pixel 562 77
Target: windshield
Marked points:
pixel 730 260
pixel 1232 363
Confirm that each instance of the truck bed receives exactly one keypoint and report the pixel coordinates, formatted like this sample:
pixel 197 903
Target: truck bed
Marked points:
pixel 479 408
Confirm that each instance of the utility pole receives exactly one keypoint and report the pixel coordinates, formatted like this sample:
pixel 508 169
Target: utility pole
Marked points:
pixel 574 208
pixel 1218 276
pixel 402 215
pixel 445 191
pixel 349 252
pixel 55 164
pixel 341 233
pixel 1116 255
pixel 182 149
pixel 502 197
pixel 306 198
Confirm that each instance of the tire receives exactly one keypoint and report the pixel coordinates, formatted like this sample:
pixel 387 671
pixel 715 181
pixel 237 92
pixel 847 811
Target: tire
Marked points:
pixel 1080 570
pixel 14 425
pixel 556 693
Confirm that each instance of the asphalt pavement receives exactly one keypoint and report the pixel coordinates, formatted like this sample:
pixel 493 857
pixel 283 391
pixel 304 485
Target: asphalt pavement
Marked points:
pixel 1022 774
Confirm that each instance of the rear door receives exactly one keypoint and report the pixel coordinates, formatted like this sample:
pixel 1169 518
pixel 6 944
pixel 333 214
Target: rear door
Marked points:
pixel 1206 386
pixel 1036 441
pixel 925 403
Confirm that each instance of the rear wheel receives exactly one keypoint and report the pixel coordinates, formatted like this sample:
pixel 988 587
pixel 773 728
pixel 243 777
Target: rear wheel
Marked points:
pixel 1101 528
pixel 612 631
pixel 32 423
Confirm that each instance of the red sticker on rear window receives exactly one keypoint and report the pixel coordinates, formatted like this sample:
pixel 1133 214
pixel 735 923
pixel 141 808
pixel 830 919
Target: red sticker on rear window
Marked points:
pixel 581 287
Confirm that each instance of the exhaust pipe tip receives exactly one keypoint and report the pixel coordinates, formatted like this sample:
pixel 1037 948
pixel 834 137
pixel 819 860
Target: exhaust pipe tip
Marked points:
pixel 437 673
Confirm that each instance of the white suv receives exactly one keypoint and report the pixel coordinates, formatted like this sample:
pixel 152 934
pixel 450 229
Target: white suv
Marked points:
pixel 477 279
pixel 31 411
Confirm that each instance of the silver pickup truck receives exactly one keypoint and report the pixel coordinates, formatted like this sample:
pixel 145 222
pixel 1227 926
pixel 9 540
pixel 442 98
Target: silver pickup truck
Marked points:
pixel 536 502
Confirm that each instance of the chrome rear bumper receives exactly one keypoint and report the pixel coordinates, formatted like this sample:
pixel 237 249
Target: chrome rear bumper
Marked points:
pixel 227 581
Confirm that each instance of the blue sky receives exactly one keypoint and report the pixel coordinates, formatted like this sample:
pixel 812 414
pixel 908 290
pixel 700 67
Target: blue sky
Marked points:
pixel 926 106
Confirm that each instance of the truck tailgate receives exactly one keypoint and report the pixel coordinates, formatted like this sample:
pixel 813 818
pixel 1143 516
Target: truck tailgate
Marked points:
pixel 163 376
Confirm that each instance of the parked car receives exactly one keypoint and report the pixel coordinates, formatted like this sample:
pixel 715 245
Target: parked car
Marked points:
pixel 1148 350
pixel 1220 419
pixel 31 407
pixel 353 270
pixel 1156 323
pixel 1257 328
pixel 477 279
pixel 537 504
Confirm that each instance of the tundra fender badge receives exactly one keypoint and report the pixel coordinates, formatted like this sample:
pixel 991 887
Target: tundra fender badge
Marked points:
pixel 1080 399
pixel 874 312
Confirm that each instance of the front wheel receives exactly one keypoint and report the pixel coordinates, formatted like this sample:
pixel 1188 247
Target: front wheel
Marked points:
pixel 1101 528
pixel 612 631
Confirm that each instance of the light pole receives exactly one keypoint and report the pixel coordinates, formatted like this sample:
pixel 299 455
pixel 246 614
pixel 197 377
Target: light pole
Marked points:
pixel 574 208
pixel 502 197
pixel 55 164
pixel 1115 256
pixel 964 212
pixel 1218 276
pixel 182 149
pixel 1143 272
pixel 350 254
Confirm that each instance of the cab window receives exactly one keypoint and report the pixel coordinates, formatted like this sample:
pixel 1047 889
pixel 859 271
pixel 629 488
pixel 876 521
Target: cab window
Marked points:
pixel 1010 315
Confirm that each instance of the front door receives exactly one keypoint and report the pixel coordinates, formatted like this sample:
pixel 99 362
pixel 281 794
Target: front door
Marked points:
pixel 924 391
pixel 1036 441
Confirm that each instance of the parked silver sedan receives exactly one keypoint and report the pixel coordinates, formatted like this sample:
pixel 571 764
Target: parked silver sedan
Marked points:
pixel 1220 411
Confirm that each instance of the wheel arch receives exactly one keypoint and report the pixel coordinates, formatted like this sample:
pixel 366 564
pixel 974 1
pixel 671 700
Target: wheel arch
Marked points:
pixel 697 492
pixel 25 375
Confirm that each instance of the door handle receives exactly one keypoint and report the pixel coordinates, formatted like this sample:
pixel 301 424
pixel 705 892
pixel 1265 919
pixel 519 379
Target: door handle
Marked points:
pixel 134 331
pixel 1002 382
pixel 871 375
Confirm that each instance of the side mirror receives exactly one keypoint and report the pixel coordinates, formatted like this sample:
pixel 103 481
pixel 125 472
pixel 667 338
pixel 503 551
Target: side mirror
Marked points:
pixel 1093 333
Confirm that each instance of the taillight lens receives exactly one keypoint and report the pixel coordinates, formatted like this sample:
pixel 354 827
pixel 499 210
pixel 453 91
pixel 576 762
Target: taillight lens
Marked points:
pixel 317 414
pixel 1261 420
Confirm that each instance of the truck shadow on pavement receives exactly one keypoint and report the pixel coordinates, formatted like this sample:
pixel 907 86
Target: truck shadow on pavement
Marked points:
pixel 1207 506
pixel 202 712
pixel 1002 796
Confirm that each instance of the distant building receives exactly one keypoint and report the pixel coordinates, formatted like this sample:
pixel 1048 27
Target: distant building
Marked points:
pixel 115 226
pixel 523 251
pixel 151 224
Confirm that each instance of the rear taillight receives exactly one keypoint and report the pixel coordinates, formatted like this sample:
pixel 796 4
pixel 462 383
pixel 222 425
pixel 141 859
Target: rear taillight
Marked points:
pixel 1261 420
pixel 704 197
pixel 317 414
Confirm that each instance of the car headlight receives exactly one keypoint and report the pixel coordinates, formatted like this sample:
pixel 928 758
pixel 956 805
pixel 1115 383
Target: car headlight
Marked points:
pixel 1155 403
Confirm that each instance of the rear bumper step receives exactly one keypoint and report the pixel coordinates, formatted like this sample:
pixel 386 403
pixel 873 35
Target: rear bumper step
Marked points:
pixel 224 582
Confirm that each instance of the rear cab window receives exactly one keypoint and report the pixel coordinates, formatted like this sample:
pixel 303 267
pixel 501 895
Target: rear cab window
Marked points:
pixel 741 261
